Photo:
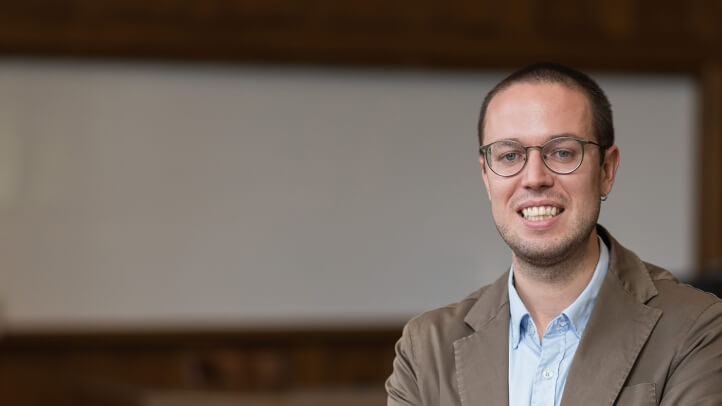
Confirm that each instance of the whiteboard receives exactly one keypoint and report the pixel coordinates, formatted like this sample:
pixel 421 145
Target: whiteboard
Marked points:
pixel 140 194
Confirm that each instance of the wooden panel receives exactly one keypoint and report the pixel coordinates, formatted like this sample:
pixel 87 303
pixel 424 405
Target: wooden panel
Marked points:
pixel 628 35
pixel 710 181
pixel 77 368
pixel 151 397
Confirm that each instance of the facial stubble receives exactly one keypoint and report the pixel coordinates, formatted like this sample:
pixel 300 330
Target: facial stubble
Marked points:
pixel 555 259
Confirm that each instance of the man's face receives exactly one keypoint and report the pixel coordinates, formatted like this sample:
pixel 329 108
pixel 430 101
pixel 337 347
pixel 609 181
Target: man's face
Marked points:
pixel 533 113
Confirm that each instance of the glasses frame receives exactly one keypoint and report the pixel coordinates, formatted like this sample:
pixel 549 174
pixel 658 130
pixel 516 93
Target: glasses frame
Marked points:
pixel 484 151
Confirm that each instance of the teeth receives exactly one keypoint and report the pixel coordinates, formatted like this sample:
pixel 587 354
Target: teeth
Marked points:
pixel 540 212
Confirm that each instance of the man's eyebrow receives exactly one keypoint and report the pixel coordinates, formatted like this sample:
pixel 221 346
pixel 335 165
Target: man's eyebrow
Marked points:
pixel 548 138
pixel 551 137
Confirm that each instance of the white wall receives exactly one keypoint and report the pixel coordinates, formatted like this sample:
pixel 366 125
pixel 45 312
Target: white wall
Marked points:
pixel 134 194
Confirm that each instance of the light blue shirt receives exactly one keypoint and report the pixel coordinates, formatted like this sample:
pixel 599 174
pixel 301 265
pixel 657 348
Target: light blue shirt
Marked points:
pixel 538 370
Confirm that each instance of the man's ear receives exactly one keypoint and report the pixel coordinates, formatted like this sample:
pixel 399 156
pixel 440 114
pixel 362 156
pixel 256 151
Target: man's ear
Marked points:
pixel 485 176
pixel 609 170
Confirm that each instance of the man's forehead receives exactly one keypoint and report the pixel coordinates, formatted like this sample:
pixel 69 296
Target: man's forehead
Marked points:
pixel 537 107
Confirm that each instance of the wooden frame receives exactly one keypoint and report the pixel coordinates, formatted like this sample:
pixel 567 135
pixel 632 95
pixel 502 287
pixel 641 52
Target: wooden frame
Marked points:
pixel 121 368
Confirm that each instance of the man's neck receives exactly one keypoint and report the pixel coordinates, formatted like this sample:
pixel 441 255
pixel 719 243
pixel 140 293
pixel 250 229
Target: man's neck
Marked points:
pixel 544 297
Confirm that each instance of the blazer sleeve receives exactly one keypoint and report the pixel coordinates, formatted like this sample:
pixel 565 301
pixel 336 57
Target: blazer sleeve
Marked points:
pixel 402 386
pixel 696 377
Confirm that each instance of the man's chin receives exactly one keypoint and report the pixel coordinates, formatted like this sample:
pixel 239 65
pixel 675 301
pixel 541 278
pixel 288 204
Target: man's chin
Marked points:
pixel 542 251
pixel 547 248
pixel 542 257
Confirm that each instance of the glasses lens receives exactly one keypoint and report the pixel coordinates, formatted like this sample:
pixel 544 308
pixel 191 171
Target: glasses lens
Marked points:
pixel 563 155
pixel 506 157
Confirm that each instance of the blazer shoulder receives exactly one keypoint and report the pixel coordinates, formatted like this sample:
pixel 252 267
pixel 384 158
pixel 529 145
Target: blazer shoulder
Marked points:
pixel 444 323
pixel 677 299
pixel 658 273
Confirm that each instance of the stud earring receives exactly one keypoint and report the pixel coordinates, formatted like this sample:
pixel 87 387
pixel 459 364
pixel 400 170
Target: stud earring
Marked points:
pixel 603 198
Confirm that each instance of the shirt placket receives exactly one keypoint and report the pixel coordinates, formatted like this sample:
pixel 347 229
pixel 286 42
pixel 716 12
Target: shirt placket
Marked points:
pixel 553 344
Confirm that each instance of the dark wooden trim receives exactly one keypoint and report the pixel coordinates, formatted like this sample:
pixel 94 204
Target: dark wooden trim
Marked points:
pixel 637 35
pixel 710 169
pixel 70 366
pixel 71 338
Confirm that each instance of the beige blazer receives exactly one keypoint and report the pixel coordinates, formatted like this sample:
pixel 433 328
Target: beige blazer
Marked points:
pixel 650 341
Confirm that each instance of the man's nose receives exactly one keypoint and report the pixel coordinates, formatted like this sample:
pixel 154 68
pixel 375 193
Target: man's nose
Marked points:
pixel 535 174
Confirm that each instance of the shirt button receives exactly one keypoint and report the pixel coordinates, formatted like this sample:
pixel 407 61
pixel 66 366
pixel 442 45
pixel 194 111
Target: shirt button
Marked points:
pixel 547 373
pixel 563 323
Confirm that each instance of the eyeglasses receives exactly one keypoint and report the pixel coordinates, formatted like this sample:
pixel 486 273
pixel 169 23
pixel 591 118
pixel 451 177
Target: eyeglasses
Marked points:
pixel 562 155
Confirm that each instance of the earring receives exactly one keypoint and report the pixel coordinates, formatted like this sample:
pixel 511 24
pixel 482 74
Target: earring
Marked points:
pixel 603 198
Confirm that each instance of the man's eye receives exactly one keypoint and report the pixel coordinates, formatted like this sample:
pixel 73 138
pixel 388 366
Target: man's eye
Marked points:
pixel 563 154
pixel 510 156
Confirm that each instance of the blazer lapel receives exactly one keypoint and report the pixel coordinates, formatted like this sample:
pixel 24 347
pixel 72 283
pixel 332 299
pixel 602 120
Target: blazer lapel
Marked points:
pixel 618 328
pixel 482 358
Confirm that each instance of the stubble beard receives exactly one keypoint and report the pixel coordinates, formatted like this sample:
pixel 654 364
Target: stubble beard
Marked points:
pixel 556 259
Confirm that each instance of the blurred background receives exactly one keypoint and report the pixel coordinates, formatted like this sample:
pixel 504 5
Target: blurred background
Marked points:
pixel 241 202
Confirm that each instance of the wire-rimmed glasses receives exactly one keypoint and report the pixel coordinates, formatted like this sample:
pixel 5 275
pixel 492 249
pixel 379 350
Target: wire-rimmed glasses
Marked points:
pixel 562 155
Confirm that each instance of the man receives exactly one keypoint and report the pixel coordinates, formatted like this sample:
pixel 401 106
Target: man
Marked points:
pixel 578 319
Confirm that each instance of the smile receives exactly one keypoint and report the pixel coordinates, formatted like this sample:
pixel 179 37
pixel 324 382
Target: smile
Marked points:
pixel 538 213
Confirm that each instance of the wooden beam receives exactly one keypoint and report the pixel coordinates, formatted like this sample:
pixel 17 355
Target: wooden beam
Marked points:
pixel 72 364
pixel 710 170
pixel 618 35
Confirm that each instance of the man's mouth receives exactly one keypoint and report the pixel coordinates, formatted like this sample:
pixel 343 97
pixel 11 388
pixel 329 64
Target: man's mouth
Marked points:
pixel 538 213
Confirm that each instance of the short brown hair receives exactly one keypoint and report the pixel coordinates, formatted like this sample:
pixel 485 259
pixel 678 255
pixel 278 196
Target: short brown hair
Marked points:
pixel 547 72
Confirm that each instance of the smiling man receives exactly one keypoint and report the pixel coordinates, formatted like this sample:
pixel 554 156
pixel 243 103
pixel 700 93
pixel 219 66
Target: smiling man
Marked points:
pixel 577 319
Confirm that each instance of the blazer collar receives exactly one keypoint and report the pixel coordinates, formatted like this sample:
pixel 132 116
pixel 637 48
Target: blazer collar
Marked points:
pixel 618 328
pixel 482 358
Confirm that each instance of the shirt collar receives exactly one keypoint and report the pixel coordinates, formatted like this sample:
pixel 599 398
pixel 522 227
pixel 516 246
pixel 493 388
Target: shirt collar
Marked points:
pixel 578 312
pixel 517 310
